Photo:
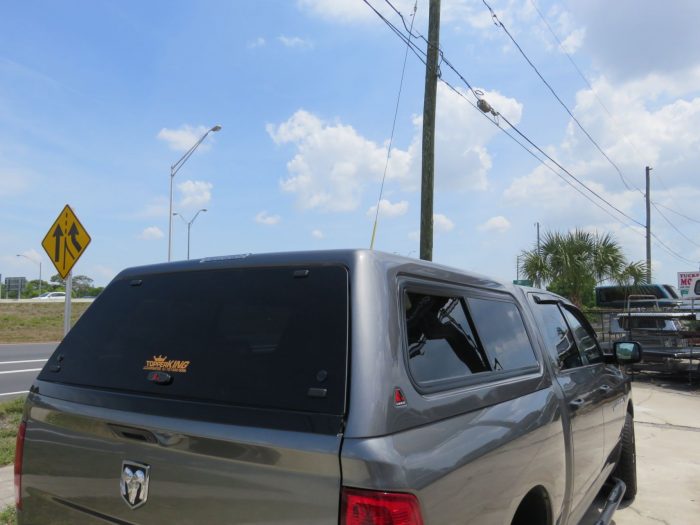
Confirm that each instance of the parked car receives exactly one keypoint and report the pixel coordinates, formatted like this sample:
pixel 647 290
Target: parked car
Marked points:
pixel 344 387
pixel 667 341
pixel 643 296
pixel 48 296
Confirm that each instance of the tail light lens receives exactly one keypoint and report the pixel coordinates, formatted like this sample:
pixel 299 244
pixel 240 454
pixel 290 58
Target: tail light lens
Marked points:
pixel 19 453
pixel 368 507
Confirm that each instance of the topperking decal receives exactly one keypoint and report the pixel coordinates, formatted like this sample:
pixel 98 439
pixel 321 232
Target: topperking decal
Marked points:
pixel 161 363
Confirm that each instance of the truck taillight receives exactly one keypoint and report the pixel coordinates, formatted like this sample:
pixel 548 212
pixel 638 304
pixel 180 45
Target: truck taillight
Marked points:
pixel 19 453
pixel 369 507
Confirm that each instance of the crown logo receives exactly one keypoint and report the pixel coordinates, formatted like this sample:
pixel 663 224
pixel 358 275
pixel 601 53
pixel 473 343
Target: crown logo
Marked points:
pixel 160 358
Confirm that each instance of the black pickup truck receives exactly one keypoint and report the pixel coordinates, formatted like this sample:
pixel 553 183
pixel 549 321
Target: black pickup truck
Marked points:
pixel 345 387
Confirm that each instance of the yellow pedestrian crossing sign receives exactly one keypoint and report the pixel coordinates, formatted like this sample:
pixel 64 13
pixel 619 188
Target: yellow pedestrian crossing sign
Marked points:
pixel 65 241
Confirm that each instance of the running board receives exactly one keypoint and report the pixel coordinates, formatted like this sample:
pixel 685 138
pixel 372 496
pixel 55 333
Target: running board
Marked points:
pixel 612 502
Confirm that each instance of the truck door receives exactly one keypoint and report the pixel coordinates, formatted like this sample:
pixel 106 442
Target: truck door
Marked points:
pixel 579 382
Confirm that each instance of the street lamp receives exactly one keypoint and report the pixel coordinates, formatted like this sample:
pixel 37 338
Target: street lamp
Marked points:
pixel 189 225
pixel 35 262
pixel 173 171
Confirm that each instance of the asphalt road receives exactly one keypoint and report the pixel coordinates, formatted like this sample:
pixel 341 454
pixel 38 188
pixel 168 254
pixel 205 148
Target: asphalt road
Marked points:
pixel 20 364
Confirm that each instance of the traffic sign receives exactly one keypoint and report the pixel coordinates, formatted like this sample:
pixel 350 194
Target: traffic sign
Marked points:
pixel 65 241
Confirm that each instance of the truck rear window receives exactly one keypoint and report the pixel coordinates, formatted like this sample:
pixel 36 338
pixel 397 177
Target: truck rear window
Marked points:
pixel 255 337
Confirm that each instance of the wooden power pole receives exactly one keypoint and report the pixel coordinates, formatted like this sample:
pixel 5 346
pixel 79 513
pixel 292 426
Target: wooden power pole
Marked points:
pixel 428 158
pixel 648 199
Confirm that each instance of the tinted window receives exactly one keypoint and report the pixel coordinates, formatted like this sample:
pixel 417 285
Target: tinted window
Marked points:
pixel 441 344
pixel 641 322
pixel 502 333
pixel 254 337
pixel 585 339
pixel 557 336
pixel 449 340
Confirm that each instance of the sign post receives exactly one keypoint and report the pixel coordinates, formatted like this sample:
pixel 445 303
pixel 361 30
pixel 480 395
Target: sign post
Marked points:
pixel 64 243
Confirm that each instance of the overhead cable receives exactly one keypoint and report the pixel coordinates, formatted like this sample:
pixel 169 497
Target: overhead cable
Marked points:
pixel 500 24
pixel 393 128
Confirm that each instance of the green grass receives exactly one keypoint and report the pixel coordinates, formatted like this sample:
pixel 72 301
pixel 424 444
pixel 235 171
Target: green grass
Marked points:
pixel 8 516
pixel 10 416
pixel 35 323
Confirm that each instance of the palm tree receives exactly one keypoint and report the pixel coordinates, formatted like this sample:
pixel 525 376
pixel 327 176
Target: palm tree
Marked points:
pixel 572 264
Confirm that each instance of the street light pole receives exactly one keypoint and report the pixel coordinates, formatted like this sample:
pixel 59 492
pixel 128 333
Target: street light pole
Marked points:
pixel 173 171
pixel 35 262
pixel 189 226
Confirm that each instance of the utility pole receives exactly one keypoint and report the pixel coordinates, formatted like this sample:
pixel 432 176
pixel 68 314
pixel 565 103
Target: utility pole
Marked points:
pixel 428 158
pixel 539 252
pixel 648 199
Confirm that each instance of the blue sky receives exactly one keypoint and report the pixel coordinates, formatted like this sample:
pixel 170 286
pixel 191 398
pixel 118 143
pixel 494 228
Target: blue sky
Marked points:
pixel 99 98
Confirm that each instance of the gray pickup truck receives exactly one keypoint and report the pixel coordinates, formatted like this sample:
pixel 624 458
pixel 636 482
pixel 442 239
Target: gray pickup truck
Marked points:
pixel 343 387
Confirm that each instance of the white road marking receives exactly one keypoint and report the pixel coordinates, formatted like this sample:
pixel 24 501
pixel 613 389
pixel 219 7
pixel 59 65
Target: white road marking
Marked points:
pixel 20 371
pixel 14 393
pixel 26 361
pixel 25 344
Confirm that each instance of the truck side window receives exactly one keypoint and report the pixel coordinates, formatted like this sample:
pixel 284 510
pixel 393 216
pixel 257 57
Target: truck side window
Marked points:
pixel 501 330
pixel 557 336
pixel 585 337
pixel 441 343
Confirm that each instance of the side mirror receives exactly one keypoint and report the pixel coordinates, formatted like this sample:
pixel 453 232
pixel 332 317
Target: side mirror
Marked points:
pixel 627 352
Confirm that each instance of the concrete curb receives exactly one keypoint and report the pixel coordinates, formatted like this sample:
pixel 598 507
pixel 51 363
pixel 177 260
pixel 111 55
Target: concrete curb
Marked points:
pixel 7 486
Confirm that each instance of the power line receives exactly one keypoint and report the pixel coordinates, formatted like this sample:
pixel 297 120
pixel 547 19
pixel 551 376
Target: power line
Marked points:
pixel 393 128
pixel 500 24
pixel 600 102
pixel 583 77
pixel 418 52
pixel 674 226
pixel 477 96
pixel 677 213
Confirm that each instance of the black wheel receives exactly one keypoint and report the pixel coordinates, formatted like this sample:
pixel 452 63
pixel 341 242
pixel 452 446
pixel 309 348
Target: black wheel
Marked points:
pixel 626 469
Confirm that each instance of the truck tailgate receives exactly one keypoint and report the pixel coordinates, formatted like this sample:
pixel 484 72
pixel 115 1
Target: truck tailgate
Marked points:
pixel 75 457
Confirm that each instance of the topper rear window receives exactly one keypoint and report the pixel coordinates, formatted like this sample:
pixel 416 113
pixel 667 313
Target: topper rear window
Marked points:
pixel 257 337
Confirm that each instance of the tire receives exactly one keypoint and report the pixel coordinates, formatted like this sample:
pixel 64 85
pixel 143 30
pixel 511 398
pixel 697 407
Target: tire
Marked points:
pixel 626 468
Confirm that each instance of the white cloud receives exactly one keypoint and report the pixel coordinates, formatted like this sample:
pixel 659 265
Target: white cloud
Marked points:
pixel 157 208
pixel 103 273
pixel 258 42
pixel 151 233
pixel 296 42
pixel 498 224
pixel 333 163
pixel 184 137
pixel 265 218
pixel 462 161
pixel 387 209
pixel 441 223
pixel 317 234
pixel 659 38
pixel 32 254
pixel 195 193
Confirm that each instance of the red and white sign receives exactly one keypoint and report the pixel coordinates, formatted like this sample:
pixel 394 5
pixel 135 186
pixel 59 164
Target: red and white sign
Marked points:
pixel 685 279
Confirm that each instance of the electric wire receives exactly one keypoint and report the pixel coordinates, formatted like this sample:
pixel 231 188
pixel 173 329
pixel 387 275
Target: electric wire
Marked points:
pixel 605 108
pixel 418 52
pixel 393 128
pixel 678 213
pixel 674 226
pixel 476 95
pixel 500 24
